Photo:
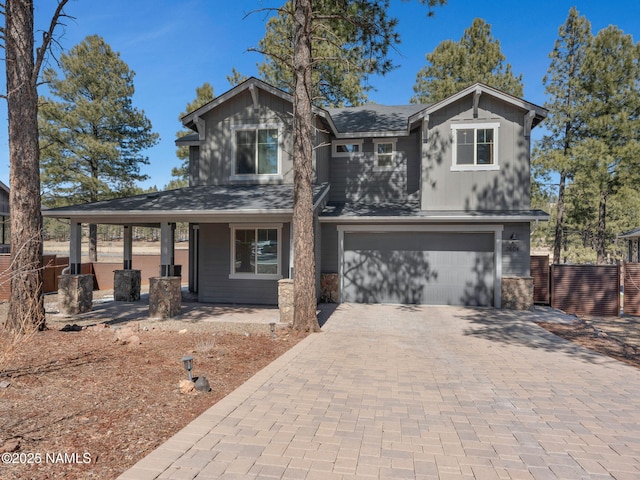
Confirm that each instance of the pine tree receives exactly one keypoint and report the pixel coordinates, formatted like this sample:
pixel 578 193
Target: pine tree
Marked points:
pixel 374 33
pixel 608 157
pixel 563 84
pixel 26 305
pixel 93 138
pixel 452 66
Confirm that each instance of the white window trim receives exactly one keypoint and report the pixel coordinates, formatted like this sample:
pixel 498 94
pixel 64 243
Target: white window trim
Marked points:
pixel 256 176
pixel 254 276
pixel 336 143
pixel 454 147
pixel 393 142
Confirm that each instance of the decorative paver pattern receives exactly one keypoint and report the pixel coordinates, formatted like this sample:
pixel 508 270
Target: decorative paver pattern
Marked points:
pixel 418 392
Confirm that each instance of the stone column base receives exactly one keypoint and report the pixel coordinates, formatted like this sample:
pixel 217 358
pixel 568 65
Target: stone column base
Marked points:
pixel 126 285
pixel 75 294
pixel 165 297
pixel 517 293
pixel 285 300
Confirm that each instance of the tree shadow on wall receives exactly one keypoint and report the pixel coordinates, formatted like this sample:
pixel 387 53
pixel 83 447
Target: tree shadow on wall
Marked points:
pixel 388 277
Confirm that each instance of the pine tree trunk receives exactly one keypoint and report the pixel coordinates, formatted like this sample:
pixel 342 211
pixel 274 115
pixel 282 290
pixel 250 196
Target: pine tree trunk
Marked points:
pixel 304 284
pixel 601 234
pixel 26 306
pixel 557 242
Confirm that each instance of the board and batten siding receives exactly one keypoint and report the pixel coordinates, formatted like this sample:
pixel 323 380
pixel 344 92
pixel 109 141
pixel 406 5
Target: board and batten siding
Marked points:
pixel 516 252
pixel 505 189
pixel 215 286
pixel 215 156
pixel 356 179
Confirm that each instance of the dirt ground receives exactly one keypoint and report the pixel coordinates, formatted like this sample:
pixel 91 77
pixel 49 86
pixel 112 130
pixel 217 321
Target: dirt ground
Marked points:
pixel 596 335
pixel 81 405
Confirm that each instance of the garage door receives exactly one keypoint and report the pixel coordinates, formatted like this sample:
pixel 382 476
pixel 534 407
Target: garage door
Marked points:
pixel 433 268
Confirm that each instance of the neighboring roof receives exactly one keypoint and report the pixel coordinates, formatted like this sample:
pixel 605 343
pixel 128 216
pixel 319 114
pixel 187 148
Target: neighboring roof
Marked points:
pixel 339 212
pixel 228 202
pixel 635 233
pixel 373 118
pixel 4 187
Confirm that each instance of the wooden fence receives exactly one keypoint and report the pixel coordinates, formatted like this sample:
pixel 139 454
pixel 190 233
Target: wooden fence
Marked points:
pixel 103 271
pixel 586 289
pixel 631 288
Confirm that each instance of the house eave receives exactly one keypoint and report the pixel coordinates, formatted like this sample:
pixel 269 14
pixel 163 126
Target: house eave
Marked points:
pixel 435 219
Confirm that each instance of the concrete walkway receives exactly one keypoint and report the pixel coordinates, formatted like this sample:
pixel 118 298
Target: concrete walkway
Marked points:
pixel 419 392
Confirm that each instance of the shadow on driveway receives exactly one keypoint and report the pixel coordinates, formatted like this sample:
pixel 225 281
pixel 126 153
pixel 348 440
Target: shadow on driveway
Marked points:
pixel 518 328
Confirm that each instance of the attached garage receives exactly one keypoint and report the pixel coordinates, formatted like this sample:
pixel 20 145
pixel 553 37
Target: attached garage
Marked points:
pixel 426 265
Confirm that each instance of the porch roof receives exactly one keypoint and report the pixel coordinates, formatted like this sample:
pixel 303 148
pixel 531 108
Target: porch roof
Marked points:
pixel 635 233
pixel 221 203
pixel 410 212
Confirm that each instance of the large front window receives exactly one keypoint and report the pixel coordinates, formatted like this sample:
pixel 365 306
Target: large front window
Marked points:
pixel 256 151
pixel 256 252
pixel 475 146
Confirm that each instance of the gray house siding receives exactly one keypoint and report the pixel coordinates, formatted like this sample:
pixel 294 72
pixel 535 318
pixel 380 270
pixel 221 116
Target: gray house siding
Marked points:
pixel 216 152
pixel 516 251
pixel 504 189
pixel 356 178
pixel 214 283
pixel 329 255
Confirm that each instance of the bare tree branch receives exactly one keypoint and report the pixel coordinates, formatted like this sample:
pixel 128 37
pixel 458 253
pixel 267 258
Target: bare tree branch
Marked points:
pixel 47 38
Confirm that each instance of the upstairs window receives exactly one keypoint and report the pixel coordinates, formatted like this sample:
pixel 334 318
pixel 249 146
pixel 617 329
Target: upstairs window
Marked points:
pixel 346 148
pixel 256 151
pixel 475 146
pixel 384 153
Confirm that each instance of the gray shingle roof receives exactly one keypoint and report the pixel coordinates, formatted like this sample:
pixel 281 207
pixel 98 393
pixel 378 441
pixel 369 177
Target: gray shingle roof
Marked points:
pixel 373 118
pixel 201 199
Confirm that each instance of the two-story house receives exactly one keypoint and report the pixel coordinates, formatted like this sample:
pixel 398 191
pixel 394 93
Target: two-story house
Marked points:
pixel 425 204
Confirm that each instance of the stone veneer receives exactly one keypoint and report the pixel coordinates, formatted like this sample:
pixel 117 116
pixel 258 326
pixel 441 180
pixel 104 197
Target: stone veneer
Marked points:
pixel 285 300
pixel 517 293
pixel 329 287
pixel 165 297
pixel 75 294
pixel 126 285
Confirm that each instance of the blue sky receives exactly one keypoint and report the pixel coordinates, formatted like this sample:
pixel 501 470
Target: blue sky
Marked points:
pixel 175 46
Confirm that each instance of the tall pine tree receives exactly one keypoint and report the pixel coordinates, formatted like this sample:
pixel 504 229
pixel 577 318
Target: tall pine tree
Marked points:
pixel 608 157
pixel 92 139
pixel 452 66
pixel 563 85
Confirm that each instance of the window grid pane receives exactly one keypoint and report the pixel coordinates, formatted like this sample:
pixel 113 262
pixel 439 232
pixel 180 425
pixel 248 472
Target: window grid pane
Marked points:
pixel 268 151
pixel 245 152
pixel 245 251
pixel 485 146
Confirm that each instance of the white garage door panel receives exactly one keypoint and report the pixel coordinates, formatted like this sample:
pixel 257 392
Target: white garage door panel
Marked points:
pixel 419 268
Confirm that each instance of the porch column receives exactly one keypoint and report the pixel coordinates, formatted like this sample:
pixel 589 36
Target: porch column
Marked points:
pixel 128 248
pixel 75 248
pixel 167 231
pixel 126 282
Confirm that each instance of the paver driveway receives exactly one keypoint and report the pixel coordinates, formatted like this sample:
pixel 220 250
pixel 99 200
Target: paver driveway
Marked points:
pixel 419 392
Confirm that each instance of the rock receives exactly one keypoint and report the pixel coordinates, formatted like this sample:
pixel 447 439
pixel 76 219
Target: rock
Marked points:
pixel 71 328
pixel 183 331
pixel 186 386
pixel 133 341
pixel 602 334
pixel 4 384
pixel 202 384
pixel 629 351
pixel 10 446
pixel 121 335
